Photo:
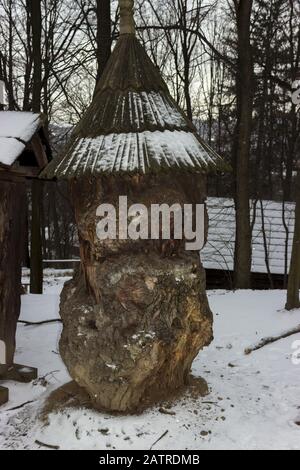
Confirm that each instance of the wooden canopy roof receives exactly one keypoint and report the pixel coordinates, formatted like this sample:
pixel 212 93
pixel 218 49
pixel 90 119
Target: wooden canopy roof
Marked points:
pixel 24 150
pixel 133 124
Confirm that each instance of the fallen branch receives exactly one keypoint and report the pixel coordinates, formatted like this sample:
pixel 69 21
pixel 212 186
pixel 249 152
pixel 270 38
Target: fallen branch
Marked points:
pixel 159 439
pixel 29 323
pixel 270 340
pixel 47 446
pixel 20 406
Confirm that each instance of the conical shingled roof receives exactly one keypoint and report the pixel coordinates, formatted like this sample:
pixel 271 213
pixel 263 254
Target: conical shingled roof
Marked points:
pixel 133 124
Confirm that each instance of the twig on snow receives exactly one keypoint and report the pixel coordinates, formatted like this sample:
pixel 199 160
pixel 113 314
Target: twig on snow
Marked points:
pixel 265 341
pixel 159 439
pixel 20 406
pixel 48 446
pixel 29 323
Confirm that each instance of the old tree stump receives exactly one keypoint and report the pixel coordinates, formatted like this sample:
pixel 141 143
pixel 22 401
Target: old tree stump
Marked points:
pixel 135 316
pixel 136 313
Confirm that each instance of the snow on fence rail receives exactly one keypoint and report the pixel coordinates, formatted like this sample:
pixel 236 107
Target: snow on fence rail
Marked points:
pixel 274 219
pixel 66 261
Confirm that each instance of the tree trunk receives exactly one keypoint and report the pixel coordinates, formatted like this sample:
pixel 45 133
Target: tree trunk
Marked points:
pixel 36 26
pixel 103 35
pixel 36 272
pixel 136 315
pixel 26 254
pixel 293 300
pixel 244 81
pixel 36 254
pixel 56 228
pixel 12 210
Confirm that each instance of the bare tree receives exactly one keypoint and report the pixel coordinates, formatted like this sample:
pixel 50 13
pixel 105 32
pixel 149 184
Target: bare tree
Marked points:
pixel 293 300
pixel 104 32
pixel 36 255
pixel 244 90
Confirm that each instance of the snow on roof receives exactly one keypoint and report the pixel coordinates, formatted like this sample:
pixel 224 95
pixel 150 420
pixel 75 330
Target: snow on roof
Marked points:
pixel 219 250
pixel 16 130
pixel 134 152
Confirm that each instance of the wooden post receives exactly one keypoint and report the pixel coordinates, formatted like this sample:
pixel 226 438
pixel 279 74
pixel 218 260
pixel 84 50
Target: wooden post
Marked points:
pixel 12 215
pixel 293 300
pixel 12 197
pixel 127 25
pixel 3 395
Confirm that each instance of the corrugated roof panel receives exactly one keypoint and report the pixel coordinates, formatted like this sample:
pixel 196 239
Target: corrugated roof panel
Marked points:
pixel 130 111
pixel 133 152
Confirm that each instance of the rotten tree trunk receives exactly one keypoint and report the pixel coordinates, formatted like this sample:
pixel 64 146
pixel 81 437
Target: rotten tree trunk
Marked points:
pixel 12 197
pixel 136 314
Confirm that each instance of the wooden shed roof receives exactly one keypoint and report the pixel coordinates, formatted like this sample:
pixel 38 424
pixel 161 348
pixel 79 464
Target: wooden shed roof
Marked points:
pixel 133 124
pixel 16 130
pixel 24 148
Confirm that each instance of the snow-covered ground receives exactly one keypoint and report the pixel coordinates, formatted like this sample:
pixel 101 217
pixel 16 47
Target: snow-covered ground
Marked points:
pixel 254 401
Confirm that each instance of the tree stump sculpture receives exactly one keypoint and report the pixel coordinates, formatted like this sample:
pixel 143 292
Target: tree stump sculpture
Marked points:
pixel 136 313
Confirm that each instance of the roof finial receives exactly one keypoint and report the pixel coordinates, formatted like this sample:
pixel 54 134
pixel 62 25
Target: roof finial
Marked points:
pixel 127 25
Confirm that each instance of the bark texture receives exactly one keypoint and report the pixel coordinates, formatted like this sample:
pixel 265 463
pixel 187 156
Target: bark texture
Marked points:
pixel 244 86
pixel 12 197
pixel 136 313
pixel 36 252
pixel 293 300
pixel 103 35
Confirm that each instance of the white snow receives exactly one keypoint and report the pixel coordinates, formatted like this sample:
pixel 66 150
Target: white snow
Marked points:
pixel 16 130
pixel 253 402
pixel 136 151
pixel 10 150
pixel 111 366
pixel 152 107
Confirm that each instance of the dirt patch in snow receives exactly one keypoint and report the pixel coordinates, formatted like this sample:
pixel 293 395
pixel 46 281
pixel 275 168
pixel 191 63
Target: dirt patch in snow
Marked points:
pixel 72 396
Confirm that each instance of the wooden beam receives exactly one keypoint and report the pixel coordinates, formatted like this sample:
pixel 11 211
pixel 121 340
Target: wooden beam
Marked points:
pixel 17 174
pixel 4 395
pixel 39 151
pixel 20 373
pixel 10 177
pixel 12 223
